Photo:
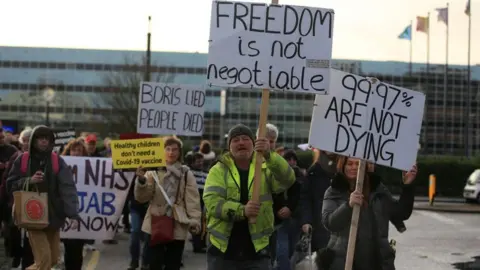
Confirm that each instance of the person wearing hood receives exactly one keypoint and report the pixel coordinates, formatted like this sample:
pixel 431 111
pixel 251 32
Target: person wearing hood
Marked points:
pixel 62 195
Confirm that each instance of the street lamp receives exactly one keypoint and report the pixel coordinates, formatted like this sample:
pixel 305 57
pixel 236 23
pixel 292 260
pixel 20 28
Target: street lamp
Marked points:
pixel 48 95
pixel 223 112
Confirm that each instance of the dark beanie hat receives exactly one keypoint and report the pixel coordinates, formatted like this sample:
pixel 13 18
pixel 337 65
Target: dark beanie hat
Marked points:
pixel 290 154
pixel 238 130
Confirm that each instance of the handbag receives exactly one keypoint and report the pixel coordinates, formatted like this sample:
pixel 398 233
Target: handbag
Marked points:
pixel 163 227
pixel 162 230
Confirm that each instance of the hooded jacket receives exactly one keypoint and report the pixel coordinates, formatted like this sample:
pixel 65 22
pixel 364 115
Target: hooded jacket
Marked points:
pixel 61 189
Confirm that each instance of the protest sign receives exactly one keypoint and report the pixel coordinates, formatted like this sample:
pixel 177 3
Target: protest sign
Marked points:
pixel 170 109
pixel 131 154
pixel 62 138
pixel 282 47
pixel 377 121
pixel 101 194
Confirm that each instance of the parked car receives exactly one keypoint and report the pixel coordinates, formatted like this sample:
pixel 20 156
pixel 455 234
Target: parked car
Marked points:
pixel 471 192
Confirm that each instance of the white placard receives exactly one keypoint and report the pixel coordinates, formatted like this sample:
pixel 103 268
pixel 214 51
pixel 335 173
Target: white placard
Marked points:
pixel 281 47
pixel 377 122
pixel 101 194
pixel 166 109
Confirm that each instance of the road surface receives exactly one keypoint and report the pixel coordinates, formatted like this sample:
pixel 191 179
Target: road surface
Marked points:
pixel 439 241
pixel 433 241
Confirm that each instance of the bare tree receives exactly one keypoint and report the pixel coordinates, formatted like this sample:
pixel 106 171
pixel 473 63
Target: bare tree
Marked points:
pixel 124 100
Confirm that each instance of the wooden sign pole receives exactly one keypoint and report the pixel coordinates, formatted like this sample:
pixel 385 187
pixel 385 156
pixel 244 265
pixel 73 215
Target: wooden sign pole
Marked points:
pixel 262 123
pixel 352 239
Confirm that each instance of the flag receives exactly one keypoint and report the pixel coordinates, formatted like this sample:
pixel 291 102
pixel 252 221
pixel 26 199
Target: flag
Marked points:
pixel 422 24
pixel 407 33
pixel 467 8
pixel 442 15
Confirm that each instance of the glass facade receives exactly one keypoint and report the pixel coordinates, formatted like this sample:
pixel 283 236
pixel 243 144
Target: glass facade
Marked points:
pixel 82 93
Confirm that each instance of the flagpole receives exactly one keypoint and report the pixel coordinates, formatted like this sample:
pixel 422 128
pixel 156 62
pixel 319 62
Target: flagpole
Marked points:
pixel 469 88
pixel 411 48
pixel 445 85
pixel 428 45
pixel 428 78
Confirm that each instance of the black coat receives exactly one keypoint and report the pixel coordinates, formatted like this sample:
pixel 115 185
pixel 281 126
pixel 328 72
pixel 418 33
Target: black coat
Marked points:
pixel 372 249
pixel 311 203
pixel 289 198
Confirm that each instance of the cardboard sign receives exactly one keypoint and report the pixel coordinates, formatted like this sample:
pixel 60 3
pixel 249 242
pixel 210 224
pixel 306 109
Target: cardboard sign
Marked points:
pixel 101 194
pixel 62 138
pixel 281 47
pixel 131 154
pixel 170 109
pixel 377 122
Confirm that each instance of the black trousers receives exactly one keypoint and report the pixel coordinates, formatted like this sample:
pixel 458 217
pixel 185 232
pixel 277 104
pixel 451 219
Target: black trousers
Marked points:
pixel 167 255
pixel 197 242
pixel 13 241
pixel 126 216
pixel 73 256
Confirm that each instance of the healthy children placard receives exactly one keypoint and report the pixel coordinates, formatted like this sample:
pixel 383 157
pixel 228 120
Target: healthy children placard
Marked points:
pixel 374 121
pixel 101 194
pixel 131 154
pixel 280 47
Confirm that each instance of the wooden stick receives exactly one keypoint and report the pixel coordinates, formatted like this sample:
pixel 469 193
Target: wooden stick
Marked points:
pixel 262 123
pixel 352 239
pixel 257 180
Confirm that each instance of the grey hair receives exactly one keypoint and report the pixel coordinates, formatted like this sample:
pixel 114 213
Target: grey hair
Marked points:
pixel 27 132
pixel 272 131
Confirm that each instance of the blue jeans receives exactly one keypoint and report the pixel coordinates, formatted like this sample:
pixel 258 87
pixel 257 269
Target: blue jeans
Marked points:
pixel 286 238
pixel 136 237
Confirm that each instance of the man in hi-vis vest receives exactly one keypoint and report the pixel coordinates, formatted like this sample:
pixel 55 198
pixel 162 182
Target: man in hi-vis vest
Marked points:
pixel 234 243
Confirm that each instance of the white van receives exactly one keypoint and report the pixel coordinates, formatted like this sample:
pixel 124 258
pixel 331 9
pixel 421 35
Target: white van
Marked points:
pixel 471 192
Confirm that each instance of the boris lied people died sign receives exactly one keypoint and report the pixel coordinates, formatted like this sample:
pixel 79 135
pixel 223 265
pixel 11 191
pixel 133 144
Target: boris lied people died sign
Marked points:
pixel 170 109
pixel 369 120
pixel 280 47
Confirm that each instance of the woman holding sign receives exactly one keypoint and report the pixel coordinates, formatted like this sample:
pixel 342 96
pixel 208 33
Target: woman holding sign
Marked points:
pixel 378 207
pixel 73 256
pixel 174 207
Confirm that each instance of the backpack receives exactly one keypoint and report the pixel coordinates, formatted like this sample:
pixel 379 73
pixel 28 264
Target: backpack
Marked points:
pixel 26 156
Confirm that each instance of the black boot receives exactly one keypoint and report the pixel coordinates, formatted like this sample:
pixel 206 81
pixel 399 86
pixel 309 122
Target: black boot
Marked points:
pixel 133 265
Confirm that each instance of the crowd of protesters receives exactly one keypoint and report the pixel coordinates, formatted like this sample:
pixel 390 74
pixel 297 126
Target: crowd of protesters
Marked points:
pixel 298 208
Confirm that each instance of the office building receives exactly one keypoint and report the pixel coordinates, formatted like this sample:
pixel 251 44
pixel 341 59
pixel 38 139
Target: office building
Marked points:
pixel 72 87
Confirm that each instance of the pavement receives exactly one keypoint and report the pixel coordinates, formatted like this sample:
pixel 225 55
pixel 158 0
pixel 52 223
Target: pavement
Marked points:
pixel 440 199
pixel 445 204
pixel 117 257
pixel 4 261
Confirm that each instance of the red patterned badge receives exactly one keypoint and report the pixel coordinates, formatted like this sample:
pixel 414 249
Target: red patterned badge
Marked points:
pixel 34 209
